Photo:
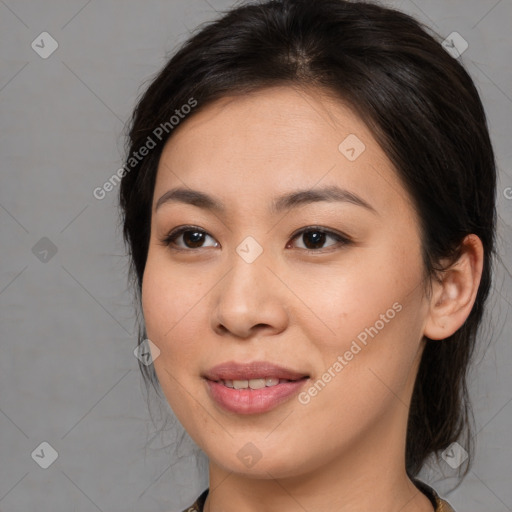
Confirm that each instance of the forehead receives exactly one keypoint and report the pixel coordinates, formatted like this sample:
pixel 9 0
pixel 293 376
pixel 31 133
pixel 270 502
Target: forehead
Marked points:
pixel 290 113
pixel 276 138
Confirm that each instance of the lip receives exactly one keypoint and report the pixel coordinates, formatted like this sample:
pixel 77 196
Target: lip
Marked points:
pixel 252 401
pixel 231 370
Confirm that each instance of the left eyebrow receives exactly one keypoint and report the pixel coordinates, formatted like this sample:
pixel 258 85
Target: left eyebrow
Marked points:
pixel 331 193
pixel 288 201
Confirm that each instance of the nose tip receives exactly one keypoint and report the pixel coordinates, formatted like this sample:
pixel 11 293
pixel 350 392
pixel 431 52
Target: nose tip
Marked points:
pixel 249 301
pixel 241 329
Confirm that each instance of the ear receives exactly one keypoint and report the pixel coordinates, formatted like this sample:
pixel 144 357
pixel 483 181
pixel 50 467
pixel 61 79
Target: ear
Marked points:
pixel 454 295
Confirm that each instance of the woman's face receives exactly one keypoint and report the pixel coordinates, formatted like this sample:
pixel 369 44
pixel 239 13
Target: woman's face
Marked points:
pixel 310 261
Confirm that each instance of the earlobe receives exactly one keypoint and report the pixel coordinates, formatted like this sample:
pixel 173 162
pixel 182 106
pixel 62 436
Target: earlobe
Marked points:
pixel 455 293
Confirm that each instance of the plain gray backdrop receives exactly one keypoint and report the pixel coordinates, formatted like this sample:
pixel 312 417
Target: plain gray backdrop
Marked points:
pixel 68 375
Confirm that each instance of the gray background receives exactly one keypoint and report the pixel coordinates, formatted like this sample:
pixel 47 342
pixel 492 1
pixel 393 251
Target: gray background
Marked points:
pixel 68 374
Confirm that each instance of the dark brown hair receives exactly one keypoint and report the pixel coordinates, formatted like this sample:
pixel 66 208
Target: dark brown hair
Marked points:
pixel 424 111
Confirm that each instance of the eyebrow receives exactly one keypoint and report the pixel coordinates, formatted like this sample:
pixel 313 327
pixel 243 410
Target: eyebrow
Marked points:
pixel 288 201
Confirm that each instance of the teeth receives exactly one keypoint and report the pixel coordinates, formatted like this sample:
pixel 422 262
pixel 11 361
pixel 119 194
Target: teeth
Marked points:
pixel 252 383
pixel 240 384
pixel 257 383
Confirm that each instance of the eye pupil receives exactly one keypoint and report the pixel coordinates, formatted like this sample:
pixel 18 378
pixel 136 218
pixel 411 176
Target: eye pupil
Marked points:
pixel 315 237
pixel 194 240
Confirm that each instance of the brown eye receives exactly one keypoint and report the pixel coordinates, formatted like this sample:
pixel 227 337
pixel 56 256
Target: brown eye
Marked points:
pixel 192 238
pixel 315 238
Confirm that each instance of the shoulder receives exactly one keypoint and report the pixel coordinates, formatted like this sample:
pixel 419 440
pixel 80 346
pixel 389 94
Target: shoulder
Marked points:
pixel 439 504
pixel 443 506
pixel 198 505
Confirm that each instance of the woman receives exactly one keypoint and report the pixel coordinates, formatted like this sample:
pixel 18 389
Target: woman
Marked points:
pixel 308 203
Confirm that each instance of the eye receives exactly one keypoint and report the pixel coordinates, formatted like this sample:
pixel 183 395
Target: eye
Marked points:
pixel 314 237
pixel 193 238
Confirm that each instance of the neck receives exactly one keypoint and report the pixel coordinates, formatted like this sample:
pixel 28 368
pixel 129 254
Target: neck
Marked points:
pixel 369 475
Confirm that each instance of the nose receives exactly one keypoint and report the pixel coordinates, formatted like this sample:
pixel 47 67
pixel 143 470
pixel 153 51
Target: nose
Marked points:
pixel 250 300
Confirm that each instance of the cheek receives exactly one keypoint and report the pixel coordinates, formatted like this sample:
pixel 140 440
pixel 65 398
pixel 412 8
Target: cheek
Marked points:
pixel 168 296
pixel 170 325
pixel 170 304
pixel 369 314
pixel 354 295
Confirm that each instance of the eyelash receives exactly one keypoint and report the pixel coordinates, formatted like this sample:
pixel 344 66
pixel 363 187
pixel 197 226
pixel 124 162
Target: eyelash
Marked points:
pixel 342 240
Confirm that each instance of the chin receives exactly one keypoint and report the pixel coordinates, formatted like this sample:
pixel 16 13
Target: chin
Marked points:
pixel 265 463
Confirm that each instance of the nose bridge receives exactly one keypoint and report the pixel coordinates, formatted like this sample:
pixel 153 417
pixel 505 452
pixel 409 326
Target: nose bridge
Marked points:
pixel 247 282
pixel 248 296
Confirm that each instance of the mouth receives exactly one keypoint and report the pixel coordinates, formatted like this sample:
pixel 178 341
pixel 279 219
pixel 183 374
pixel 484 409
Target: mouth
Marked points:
pixel 256 372
pixel 252 388
pixel 259 383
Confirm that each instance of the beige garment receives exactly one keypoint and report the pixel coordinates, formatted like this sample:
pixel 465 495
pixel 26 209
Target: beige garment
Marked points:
pixel 439 504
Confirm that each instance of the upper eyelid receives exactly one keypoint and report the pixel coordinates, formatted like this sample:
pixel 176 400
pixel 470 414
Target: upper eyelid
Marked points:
pixel 177 232
pixel 313 227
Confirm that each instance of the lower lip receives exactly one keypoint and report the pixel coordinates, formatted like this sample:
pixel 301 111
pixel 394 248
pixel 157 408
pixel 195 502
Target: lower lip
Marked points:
pixel 253 401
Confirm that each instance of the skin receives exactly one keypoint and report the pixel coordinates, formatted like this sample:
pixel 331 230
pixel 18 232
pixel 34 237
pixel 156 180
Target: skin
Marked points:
pixel 204 304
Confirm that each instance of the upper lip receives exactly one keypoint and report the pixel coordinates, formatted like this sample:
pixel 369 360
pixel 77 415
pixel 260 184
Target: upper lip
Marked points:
pixel 231 370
